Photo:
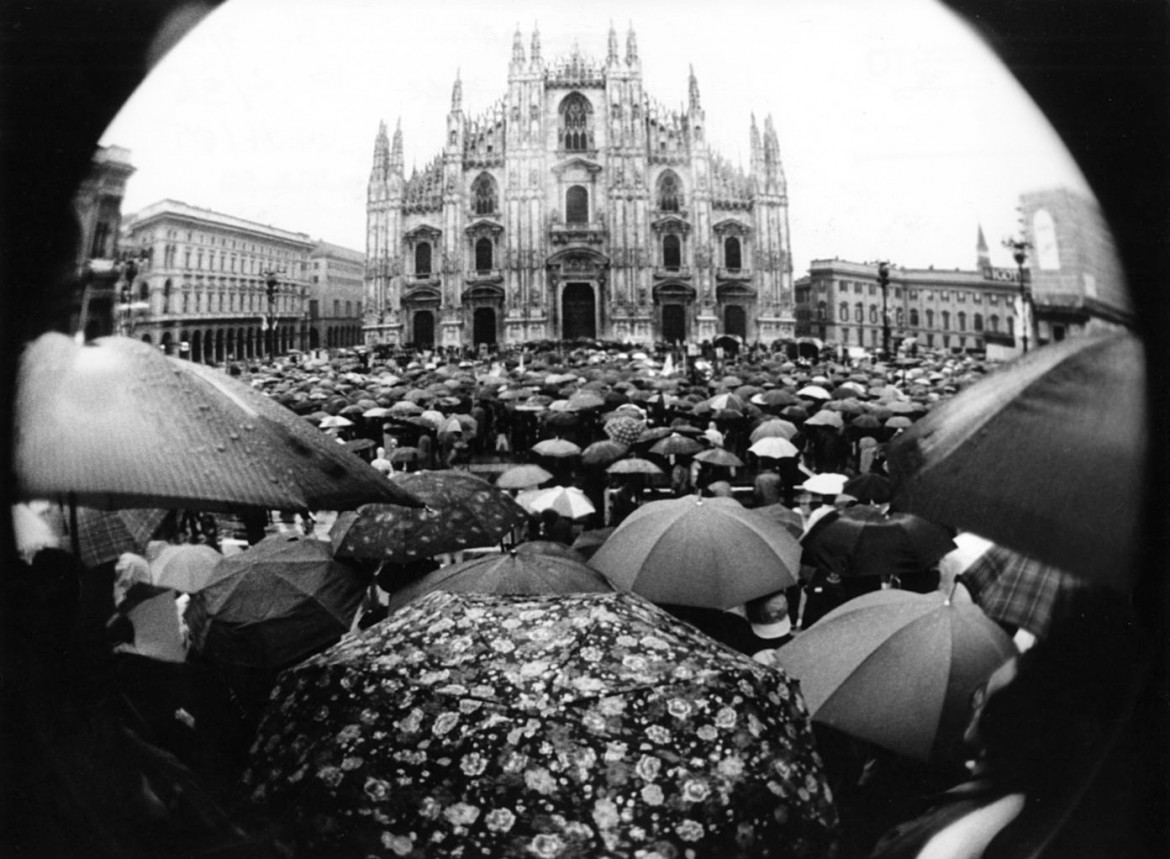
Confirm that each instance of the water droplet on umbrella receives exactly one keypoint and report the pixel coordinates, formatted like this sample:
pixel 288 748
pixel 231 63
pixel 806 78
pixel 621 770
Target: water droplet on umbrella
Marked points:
pixel 221 447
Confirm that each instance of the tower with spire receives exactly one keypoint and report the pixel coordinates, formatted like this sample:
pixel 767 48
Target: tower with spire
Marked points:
pixel 577 205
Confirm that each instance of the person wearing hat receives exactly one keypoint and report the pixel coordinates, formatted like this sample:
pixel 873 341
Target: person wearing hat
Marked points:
pixel 771 627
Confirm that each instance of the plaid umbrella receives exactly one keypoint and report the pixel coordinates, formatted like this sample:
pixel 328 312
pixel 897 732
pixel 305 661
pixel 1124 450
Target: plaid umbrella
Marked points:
pixel 512 572
pixel 624 429
pixel 581 725
pixel 1017 590
pixel 897 669
pixel 462 511
pixel 103 535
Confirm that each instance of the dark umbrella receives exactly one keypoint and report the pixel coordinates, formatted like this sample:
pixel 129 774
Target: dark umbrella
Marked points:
pixel 870 488
pixel 676 445
pixel 862 541
pixel 274 603
pixel 719 456
pixel 897 669
pixel 511 572
pixel 118 424
pixel 792 521
pixel 585 725
pixel 604 452
pixel 1047 455
pixel 634 465
pixel 588 542
pixel 462 511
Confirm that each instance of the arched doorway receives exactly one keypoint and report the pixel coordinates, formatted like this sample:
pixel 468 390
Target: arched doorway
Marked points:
pixel 674 323
pixel 483 326
pixel 735 320
pixel 197 347
pixel 578 312
pixel 167 343
pixel 424 329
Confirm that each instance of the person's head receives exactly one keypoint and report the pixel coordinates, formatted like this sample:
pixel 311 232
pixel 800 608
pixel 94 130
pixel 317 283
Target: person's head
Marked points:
pixel 549 517
pixel 772 608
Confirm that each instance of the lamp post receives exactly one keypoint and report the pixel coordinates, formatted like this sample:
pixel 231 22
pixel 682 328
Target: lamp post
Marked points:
pixel 271 284
pixel 129 267
pixel 1019 248
pixel 884 282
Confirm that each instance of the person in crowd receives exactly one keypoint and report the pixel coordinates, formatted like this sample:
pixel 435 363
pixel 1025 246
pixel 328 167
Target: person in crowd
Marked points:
pixel 768 487
pixel 555 527
pixel 771 627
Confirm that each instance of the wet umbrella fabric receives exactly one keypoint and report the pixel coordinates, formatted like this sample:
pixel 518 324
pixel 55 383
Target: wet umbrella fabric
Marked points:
pixel 676 445
pixel 862 541
pixel 511 572
pixel 719 456
pixel 604 452
pixel 774 447
pixel 103 535
pixel 707 552
pixel 523 477
pixel 1017 590
pixel 568 501
pixel 462 512
pixel 897 669
pixel 634 465
pixel 118 424
pixel 187 568
pixel 578 725
pixel 624 429
pixel 1047 455
pixel 869 488
pixel 792 521
pixel 274 603
pixel 556 448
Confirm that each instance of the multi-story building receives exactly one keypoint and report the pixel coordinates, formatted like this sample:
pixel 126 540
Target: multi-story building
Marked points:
pixel 98 205
pixel 205 280
pixel 577 206
pixel 1076 278
pixel 336 290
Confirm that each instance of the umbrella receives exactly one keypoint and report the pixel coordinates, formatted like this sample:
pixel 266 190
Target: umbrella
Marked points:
pixel 825 484
pixel 709 552
pixel 356 445
pixel 624 429
pixel 826 418
pixel 462 511
pixel 897 669
pixel 274 603
pixel 1017 590
pixel 719 456
pixel 556 448
pixel 603 452
pixel 523 477
pixel 188 568
pixel 869 488
pixel 792 521
pixel 335 422
pixel 103 535
pixel 776 398
pixel 119 424
pixel 813 392
pixel 1047 455
pixel 774 447
pixel 568 501
pixel 584 725
pixel 511 572
pixel 676 445
pixel 588 542
pixel 585 400
pixel 548 547
pixel 634 465
pixel 726 401
pixel 774 427
pixel 404 454
pixel 863 541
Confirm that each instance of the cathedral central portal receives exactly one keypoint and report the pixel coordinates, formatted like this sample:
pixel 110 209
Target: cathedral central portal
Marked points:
pixel 579 309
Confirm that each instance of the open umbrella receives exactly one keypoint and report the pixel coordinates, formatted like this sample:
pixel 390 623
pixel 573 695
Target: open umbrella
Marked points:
pixel 568 501
pixel 604 452
pixel 118 424
pixel 773 427
pixel 869 488
pixel 676 445
pixel 523 477
pixel 792 521
pixel 274 603
pixel 709 552
pixel 187 568
pixel 512 572
pixel 634 465
pixel 774 447
pixel 719 456
pixel 827 483
pixel 103 535
pixel 863 541
pixel 588 542
pixel 624 429
pixel 462 511
pixel 556 448
pixel 1047 455
pixel 583 725
pixel 897 669
pixel 1017 590
pixel 826 418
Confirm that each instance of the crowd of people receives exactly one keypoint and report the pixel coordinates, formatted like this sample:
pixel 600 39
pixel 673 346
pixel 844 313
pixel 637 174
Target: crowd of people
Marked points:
pixel 116 685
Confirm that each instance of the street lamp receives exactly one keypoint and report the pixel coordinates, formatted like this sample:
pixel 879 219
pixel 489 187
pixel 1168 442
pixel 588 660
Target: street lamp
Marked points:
pixel 129 267
pixel 1019 248
pixel 884 282
pixel 271 284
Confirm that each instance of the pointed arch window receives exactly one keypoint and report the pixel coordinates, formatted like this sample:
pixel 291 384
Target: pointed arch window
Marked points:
pixel 483 194
pixel 576 123
pixel 483 254
pixel 577 205
pixel 671 251
pixel 422 258
pixel 732 255
pixel 669 192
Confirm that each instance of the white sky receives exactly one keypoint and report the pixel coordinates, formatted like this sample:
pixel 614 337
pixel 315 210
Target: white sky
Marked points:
pixel 899 131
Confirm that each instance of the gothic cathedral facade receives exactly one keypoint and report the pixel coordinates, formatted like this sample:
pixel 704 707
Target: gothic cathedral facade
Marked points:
pixel 577 207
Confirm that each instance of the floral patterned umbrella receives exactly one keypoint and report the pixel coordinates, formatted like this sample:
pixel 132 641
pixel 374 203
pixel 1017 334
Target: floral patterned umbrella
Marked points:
pixel 572 725
pixel 462 511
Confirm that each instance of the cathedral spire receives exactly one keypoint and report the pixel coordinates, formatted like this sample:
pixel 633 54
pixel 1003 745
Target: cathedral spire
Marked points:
pixel 631 46
pixel 694 92
pixel 517 47
pixel 396 149
pixel 381 155
pixel 612 57
pixel 983 257
pixel 535 52
pixel 457 93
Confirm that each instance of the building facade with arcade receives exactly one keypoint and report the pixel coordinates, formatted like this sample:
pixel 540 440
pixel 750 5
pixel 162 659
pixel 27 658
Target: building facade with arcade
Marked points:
pixel 576 207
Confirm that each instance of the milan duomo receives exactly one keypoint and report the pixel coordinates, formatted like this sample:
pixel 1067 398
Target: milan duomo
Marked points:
pixel 577 207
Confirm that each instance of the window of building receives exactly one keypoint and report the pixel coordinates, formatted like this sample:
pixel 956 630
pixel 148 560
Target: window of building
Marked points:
pixel 944 296
pixel 483 193
pixel 843 311
pixel 899 317
pixel 821 286
pixel 977 321
pixel 873 314
pixel 961 297
pixel 1011 324
pixel 858 288
pixel 845 336
pixel 858 312
pixel 576 123
pixel 976 297
pixel 422 258
pixel 929 341
pixel 731 253
pixel 929 295
pixel 992 298
pixel 577 205
pixel 993 322
pixel 913 317
pixel 873 289
pixel 671 251
pixel 821 310
pixel 348 309
pixel 336 307
pixel 962 320
pixel 897 292
pixel 946 320
pixel 946 341
pixel 669 192
pixel 930 319
pixel 873 337
pixel 914 295
pixel 483 254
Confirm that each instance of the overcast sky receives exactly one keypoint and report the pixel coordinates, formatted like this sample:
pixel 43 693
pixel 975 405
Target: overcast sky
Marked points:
pixel 899 130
